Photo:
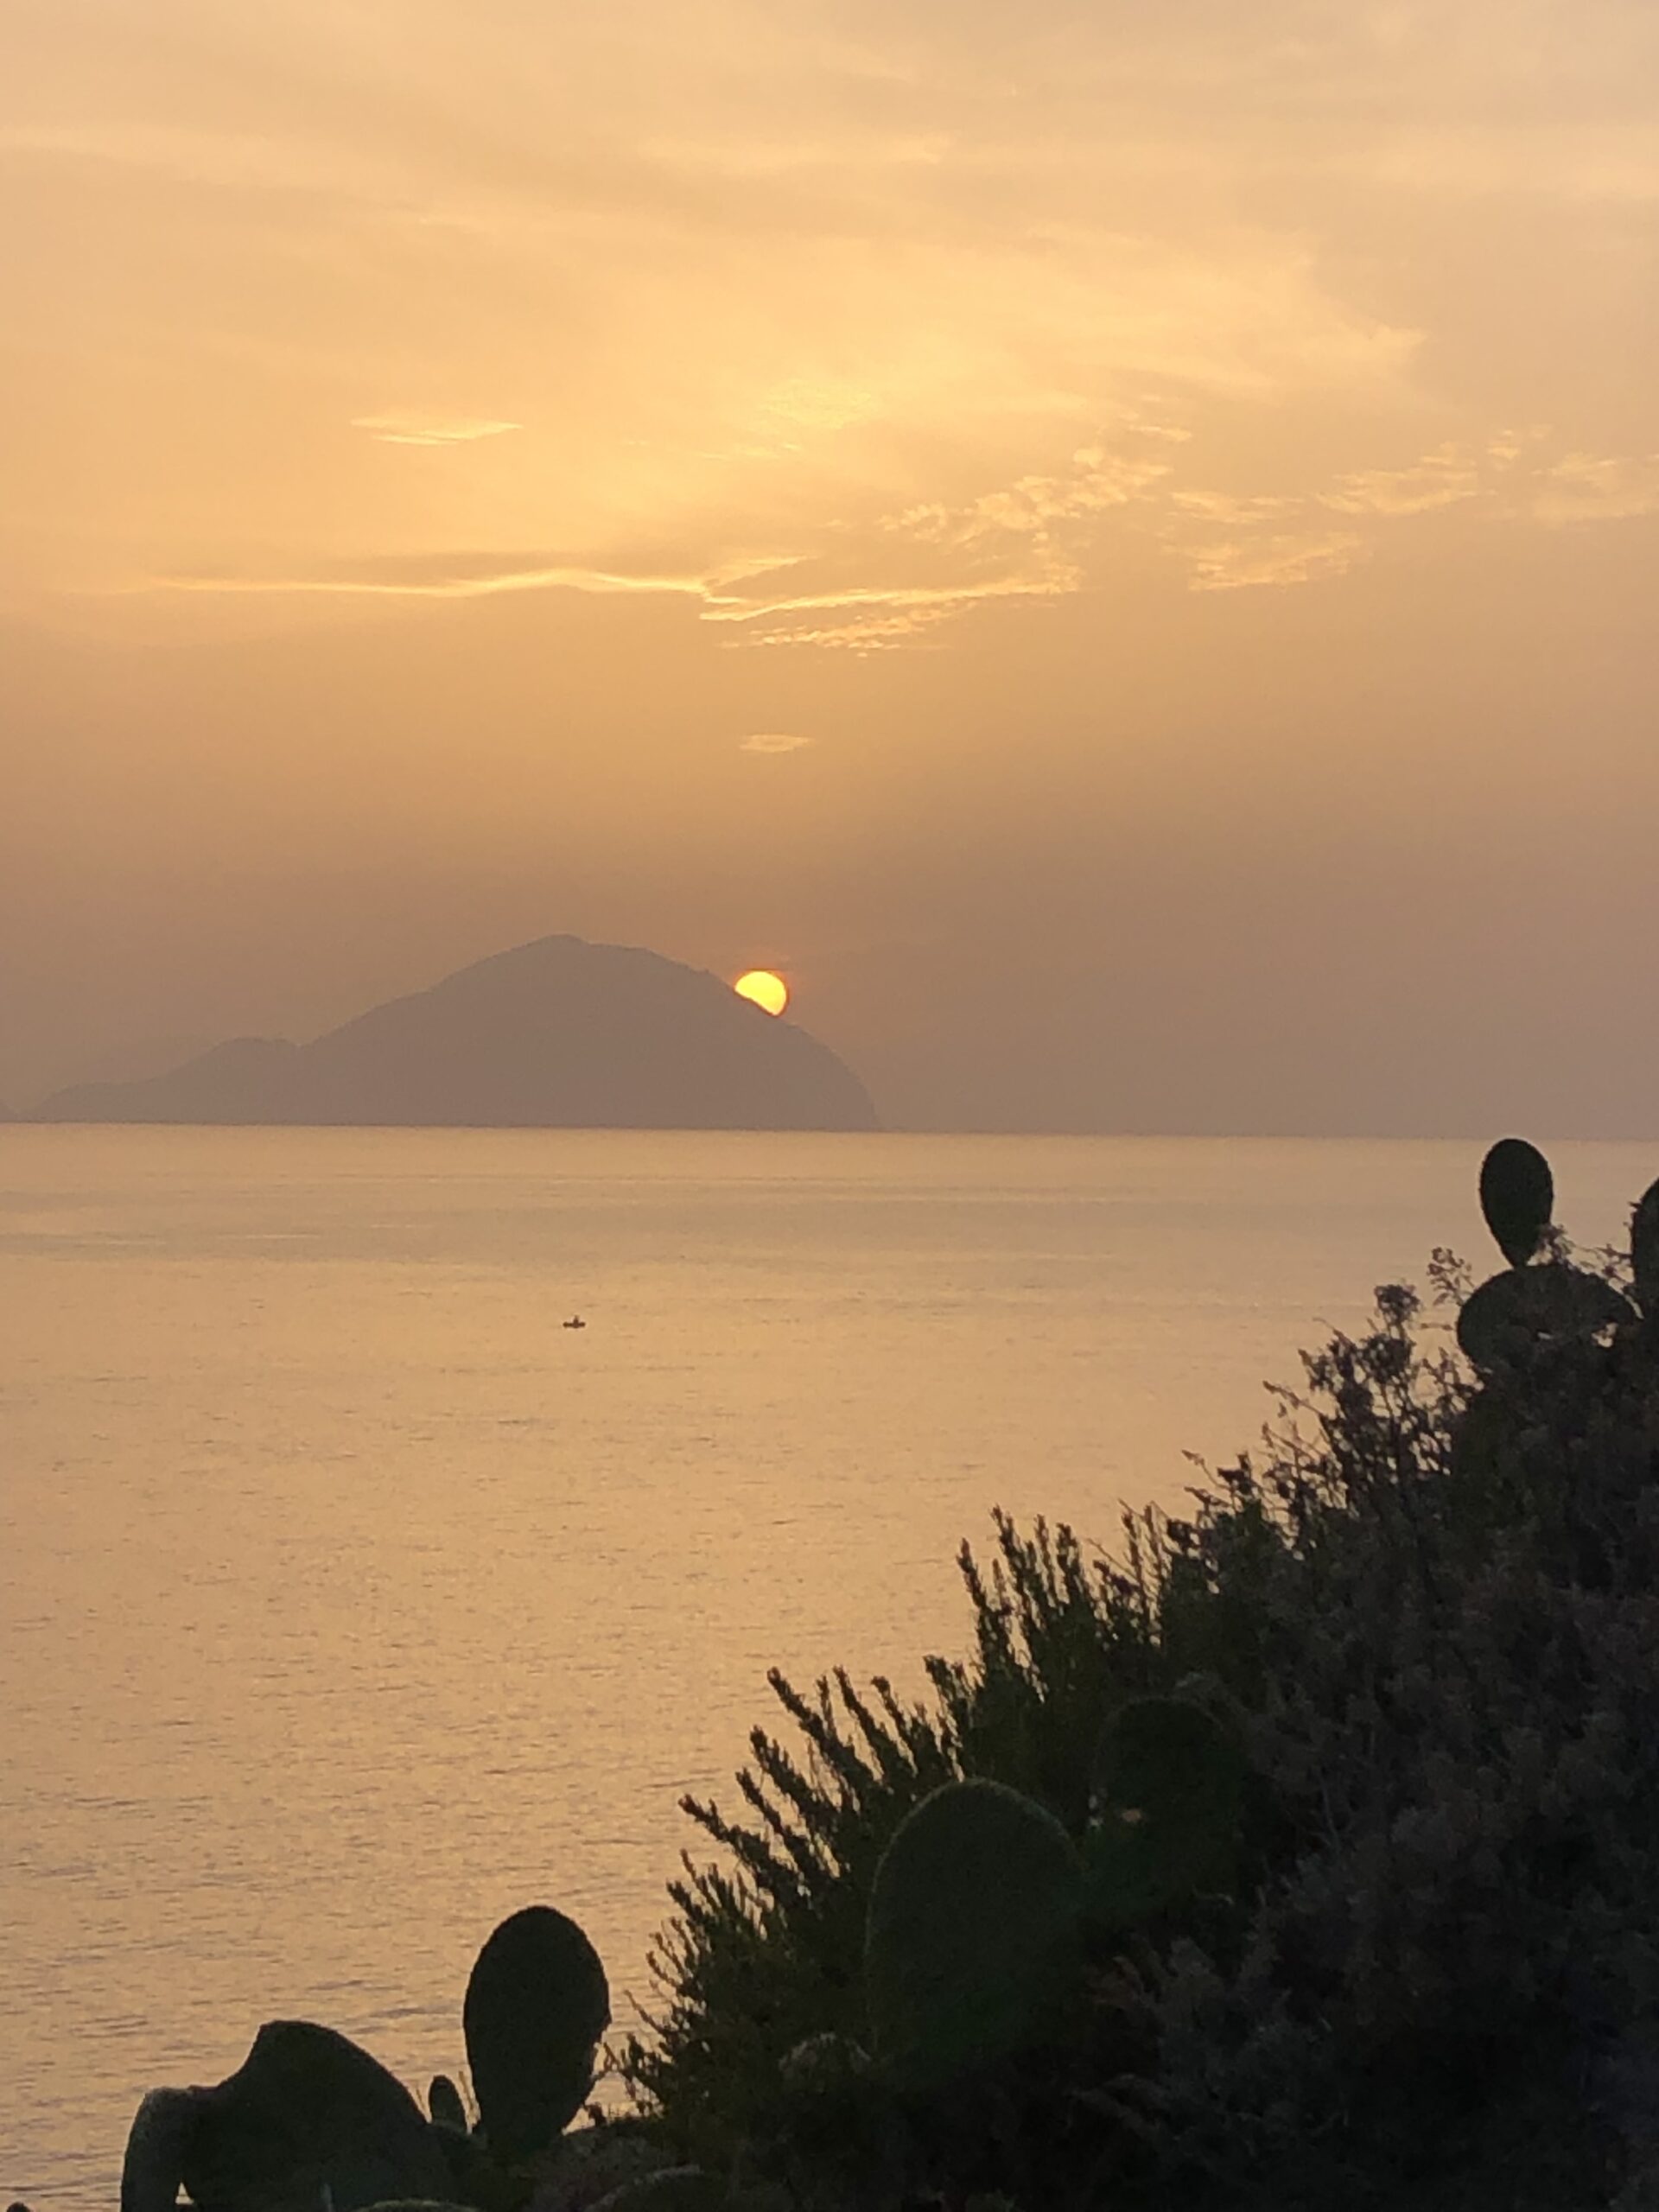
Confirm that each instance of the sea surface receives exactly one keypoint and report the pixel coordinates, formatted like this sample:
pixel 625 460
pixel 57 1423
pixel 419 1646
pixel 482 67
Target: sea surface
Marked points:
pixel 349 1602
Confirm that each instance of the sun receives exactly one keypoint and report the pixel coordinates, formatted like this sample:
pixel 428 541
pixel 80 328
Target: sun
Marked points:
pixel 769 992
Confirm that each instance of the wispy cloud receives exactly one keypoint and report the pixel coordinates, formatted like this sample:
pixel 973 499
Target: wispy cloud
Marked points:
pixel 400 428
pixel 1440 479
pixel 866 616
pixel 770 741
pixel 1034 507
pixel 1234 509
pixel 897 579
pixel 430 578
pixel 833 596
pixel 1277 558
pixel 1599 488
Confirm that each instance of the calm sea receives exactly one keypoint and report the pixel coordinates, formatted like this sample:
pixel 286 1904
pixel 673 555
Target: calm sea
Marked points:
pixel 348 1602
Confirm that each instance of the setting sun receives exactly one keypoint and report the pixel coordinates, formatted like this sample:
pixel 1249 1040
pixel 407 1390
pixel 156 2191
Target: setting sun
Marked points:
pixel 769 992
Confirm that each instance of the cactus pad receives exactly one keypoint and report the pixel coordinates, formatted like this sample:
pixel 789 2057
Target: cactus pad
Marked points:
pixel 307 2112
pixel 1510 1315
pixel 443 2103
pixel 1517 1194
pixel 536 2005
pixel 971 1932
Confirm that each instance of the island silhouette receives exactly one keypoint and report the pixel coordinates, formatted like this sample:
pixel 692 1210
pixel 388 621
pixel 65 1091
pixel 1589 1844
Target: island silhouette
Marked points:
pixel 557 1033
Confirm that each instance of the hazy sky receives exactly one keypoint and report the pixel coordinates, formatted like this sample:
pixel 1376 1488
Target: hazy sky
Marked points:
pixel 1116 545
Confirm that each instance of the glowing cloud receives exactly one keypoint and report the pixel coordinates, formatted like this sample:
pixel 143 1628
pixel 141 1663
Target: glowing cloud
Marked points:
pixel 1440 479
pixel 398 429
pixel 1280 558
pixel 1593 487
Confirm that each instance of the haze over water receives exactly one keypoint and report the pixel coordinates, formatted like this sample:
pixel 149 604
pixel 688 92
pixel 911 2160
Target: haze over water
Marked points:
pixel 347 1602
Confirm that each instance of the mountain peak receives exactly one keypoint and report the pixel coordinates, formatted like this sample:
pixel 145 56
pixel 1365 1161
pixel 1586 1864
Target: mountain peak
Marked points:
pixel 554 1033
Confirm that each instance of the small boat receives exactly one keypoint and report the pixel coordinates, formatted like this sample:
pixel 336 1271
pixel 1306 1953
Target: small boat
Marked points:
pixel 576 1322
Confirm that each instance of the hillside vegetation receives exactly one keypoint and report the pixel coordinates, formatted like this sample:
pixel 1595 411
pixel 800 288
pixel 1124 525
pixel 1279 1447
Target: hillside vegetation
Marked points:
pixel 1306 1853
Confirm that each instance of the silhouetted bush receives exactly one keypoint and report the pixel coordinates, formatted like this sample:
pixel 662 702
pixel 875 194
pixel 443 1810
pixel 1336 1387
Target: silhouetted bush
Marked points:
pixel 1420 1966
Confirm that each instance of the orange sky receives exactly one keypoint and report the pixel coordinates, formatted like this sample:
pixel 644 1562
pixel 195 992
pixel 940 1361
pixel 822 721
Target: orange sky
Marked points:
pixel 1115 546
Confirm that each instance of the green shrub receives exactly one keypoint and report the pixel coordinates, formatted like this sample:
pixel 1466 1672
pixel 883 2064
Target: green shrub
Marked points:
pixel 767 1951
pixel 1423 1972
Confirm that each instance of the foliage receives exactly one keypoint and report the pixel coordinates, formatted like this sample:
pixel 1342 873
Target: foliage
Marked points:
pixel 1424 1971
pixel 767 1951
pixel 1166 1814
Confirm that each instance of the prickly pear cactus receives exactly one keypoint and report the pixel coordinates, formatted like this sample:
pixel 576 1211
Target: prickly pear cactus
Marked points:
pixel 1167 1801
pixel 536 2005
pixel 1517 1192
pixel 972 1931
pixel 443 2103
pixel 1503 1323
pixel 308 2116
